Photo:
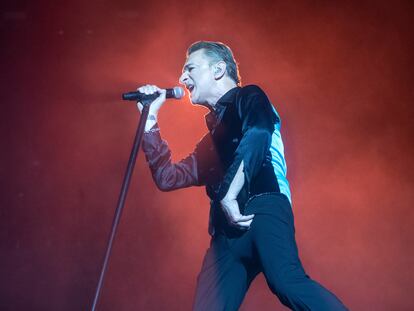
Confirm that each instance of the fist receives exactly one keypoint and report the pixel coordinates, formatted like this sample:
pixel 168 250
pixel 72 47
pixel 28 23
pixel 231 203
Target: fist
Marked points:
pixel 157 103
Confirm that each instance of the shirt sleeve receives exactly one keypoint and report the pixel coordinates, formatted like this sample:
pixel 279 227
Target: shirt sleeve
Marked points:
pixel 258 119
pixel 167 175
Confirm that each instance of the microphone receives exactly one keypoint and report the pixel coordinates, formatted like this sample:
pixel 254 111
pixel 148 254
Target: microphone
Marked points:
pixel 176 92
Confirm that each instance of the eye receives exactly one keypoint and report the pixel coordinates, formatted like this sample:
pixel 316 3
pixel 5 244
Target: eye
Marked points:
pixel 190 68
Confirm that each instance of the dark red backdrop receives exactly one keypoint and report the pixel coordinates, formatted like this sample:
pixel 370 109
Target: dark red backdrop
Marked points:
pixel 340 75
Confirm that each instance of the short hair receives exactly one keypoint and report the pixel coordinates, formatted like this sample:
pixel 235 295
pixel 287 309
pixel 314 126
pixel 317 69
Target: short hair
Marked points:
pixel 218 51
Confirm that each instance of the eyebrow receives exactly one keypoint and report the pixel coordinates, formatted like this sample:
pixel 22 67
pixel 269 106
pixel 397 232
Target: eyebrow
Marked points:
pixel 187 65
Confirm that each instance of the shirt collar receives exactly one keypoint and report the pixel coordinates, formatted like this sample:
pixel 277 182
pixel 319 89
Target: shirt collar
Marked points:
pixel 226 99
pixel 214 116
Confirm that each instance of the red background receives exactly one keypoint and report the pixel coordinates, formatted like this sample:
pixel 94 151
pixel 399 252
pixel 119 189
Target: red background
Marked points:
pixel 339 73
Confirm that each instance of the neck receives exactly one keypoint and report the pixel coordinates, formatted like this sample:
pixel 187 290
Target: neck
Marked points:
pixel 219 90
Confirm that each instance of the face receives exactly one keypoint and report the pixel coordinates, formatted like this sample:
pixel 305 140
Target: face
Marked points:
pixel 198 77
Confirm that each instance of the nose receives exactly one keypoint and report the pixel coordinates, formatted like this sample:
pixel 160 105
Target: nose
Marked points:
pixel 183 77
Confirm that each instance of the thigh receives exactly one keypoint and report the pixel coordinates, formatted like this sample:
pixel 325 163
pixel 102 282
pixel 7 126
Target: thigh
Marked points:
pixel 274 238
pixel 273 234
pixel 223 280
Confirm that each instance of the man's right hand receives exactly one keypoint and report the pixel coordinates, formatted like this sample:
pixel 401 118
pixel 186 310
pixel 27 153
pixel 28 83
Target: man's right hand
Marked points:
pixel 155 105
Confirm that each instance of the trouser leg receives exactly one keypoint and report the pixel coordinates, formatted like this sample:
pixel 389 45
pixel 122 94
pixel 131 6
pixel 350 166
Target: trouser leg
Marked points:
pixel 274 238
pixel 223 280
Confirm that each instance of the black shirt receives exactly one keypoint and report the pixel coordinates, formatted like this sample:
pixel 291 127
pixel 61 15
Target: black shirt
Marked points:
pixel 240 129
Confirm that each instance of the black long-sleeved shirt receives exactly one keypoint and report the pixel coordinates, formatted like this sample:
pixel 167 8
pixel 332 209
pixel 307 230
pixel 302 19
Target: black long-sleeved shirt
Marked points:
pixel 243 127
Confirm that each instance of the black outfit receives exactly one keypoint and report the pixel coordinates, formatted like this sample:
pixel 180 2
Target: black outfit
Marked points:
pixel 240 129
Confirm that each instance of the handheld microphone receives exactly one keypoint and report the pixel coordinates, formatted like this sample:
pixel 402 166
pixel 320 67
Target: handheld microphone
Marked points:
pixel 176 92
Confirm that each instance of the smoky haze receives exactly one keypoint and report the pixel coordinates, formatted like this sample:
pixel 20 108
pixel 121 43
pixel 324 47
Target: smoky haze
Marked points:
pixel 340 76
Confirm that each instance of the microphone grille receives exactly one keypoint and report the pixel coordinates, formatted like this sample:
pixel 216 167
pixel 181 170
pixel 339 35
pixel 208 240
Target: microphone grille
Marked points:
pixel 178 92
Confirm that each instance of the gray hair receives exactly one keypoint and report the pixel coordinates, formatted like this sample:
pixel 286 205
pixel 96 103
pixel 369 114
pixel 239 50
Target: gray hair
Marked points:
pixel 218 51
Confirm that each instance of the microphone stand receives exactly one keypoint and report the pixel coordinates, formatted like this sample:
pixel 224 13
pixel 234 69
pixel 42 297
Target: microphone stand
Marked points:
pixel 122 196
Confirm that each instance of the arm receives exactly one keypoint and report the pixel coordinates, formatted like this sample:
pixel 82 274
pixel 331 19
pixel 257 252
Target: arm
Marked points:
pixel 229 202
pixel 167 176
pixel 258 118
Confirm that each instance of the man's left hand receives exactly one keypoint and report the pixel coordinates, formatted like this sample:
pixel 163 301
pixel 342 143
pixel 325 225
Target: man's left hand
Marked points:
pixel 234 218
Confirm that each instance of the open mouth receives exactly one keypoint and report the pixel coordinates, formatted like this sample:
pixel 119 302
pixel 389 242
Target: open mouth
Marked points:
pixel 190 88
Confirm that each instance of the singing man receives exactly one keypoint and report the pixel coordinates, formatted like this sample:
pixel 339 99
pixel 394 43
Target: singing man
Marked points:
pixel 241 163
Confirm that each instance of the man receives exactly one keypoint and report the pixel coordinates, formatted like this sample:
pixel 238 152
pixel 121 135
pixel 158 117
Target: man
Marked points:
pixel 241 163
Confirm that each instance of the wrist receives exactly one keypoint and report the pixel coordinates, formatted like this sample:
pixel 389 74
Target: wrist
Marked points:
pixel 230 196
pixel 152 116
pixel 230 207
pixel 227 201
pixel 150 124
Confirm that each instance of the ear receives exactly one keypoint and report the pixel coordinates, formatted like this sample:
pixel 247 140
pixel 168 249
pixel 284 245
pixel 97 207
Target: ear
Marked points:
pixel 219 70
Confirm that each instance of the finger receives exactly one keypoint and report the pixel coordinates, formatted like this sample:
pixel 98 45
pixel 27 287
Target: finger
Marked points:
pixel 146 89
pixel 245 218
pixel 149 89
pixel 245 223
pixel 152 89
pixel 161 91
pixel 142 88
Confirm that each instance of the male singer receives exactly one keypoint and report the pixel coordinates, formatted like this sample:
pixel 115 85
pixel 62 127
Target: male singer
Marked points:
pixel 241 163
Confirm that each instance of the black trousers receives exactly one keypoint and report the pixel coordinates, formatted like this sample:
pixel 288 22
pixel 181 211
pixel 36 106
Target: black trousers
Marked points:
pixel 235 258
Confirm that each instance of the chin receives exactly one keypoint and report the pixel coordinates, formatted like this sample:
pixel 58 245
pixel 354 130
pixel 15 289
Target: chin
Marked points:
pixel 194 100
